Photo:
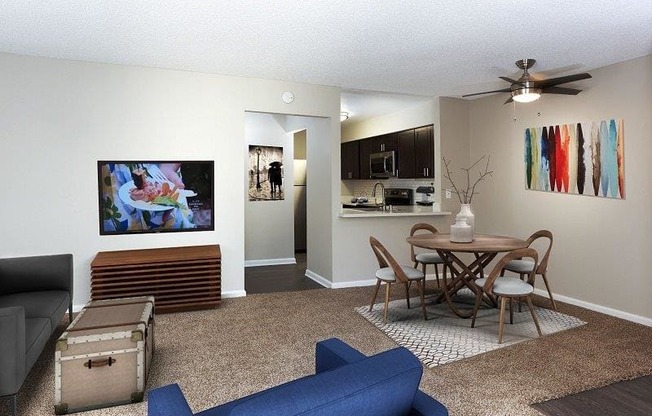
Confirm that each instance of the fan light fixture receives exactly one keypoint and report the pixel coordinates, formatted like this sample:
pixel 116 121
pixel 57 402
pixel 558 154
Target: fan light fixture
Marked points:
pixel 526 95
pixel 344 116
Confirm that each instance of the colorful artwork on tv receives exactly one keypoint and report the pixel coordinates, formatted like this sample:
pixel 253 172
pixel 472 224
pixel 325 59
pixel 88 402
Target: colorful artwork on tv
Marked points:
pixel 580 158
pixel 155 196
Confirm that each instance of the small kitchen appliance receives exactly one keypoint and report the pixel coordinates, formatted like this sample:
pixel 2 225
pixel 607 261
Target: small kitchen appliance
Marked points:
pixel 425 192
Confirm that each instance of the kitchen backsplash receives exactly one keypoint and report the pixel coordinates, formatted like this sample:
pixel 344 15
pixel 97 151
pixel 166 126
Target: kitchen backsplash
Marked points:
pixel 365 187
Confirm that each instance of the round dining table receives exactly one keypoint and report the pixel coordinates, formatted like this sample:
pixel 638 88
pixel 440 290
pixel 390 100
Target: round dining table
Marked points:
pixel 484 247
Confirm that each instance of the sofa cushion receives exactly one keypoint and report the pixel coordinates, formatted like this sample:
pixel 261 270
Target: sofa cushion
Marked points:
pixel 50 304
pixel 381 385
pixel 37 333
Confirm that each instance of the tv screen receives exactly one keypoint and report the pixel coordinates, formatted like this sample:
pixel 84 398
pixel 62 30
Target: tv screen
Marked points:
pixel 155 196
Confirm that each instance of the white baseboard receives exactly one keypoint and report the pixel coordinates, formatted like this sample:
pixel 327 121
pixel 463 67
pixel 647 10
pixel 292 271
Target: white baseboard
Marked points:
pixel 233 294
pixel 270 262
pixel 598 308
pixel 319 279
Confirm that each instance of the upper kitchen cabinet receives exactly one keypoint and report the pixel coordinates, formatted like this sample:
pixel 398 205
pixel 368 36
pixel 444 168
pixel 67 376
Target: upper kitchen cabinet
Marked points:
pixel 366 146
pixel 350 160
pixel 384 143
pixel 406 157
pixel 424 151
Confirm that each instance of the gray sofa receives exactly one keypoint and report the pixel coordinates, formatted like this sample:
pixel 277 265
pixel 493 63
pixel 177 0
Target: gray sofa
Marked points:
pixel 34 295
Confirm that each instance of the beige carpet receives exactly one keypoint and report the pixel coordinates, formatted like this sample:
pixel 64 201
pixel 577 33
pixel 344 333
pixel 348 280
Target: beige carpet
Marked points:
pixel 259 341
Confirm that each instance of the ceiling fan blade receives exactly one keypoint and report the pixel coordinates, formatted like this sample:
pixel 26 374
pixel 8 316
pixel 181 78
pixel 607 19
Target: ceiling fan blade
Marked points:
pixel 560 90
pixel 545 83
pixel 509 100
pixel 487 92
pixel 511 81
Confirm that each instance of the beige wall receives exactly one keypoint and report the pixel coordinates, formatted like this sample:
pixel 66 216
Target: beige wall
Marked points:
pixel 58 118
pixel 601 250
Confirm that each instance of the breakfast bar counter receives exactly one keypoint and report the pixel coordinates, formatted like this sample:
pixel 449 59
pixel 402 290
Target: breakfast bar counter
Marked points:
pixel 392 211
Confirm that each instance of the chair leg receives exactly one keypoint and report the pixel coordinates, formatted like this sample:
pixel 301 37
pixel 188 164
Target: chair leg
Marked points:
pixel 511 312
pixel 387 289
pixel 70 312
pixel 476 307
pixel 422 289
pixel 501 325
pixel 373 298
pixel 407 293
pixel 437 275
pixel 520 303
pixel 534 315
pixel 12 405
pixel 545 280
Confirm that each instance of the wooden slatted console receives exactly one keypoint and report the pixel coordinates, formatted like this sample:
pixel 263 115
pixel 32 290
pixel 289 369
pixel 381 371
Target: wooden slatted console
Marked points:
pixel 180 278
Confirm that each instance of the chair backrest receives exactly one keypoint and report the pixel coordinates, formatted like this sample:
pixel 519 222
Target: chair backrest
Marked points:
pixel 527 252
pixel 422 226
pixel 386 260
pixel 542 234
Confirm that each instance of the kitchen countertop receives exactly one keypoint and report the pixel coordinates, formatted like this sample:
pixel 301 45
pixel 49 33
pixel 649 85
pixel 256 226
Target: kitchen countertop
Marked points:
pixel 394 211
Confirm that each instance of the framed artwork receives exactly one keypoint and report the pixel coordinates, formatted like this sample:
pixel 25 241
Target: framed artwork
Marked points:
pixel 580 158
pixel 266 173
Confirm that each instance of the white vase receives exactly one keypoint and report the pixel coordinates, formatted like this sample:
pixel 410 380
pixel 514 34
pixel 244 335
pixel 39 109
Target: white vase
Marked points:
pixel 465 212
pixel 461 231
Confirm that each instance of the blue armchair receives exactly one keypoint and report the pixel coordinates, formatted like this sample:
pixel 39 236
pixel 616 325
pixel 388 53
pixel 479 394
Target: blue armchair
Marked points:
pixel 346 383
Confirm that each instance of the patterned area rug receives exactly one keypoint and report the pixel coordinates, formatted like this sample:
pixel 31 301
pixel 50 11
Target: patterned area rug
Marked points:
pixel 445 338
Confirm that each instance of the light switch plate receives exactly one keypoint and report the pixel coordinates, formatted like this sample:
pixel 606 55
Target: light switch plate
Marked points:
pixel 448 194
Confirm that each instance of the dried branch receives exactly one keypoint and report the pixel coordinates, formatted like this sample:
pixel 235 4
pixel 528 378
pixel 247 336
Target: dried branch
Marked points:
pixel 466 195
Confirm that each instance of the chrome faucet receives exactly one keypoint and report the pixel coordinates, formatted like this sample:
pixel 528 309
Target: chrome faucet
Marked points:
pixel 373 193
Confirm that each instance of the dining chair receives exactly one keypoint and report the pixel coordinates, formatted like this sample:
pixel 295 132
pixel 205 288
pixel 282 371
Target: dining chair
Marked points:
pixel 524 267
pixel 392 272
pixel 425 258
pixel 507 288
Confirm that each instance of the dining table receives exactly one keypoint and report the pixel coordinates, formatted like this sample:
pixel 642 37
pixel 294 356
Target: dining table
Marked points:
pixel 484 247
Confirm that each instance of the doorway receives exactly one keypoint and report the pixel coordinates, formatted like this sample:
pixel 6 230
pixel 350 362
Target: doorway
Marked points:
pixel 277 231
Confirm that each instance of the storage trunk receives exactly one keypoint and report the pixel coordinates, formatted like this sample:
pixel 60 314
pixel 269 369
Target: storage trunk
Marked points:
pixel 103 358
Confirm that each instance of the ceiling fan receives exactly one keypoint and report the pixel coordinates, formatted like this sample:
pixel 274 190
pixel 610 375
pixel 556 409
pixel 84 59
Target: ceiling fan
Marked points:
pixel 527 89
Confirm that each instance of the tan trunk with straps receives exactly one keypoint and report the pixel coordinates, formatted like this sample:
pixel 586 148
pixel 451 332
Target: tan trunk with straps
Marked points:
pixel 103 358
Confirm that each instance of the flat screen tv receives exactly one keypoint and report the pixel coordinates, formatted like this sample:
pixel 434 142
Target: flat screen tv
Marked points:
pixel 155 196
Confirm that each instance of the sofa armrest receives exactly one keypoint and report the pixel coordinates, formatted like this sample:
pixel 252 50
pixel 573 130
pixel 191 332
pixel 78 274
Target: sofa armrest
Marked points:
pixel 424 405
pixel 12 349
pixel 167 401
pixel 29 274
pixel 333 353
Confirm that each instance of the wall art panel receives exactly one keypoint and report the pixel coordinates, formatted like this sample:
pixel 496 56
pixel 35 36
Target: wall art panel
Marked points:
pixel 579 158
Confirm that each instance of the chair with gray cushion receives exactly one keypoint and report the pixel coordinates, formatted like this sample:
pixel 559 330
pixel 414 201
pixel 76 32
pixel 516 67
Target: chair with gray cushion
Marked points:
pixel 507 288
pixel 35 293
pixel 426 257
pixel 524 267
pixel 392 272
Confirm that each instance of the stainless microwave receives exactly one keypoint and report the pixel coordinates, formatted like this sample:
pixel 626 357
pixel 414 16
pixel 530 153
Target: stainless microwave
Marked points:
pixel 382 164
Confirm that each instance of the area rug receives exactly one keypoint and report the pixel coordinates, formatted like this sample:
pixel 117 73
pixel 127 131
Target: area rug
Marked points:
pixel 445 337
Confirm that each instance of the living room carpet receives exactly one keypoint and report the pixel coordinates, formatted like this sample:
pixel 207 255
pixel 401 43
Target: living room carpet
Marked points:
pixel 255 342
pixel 445 337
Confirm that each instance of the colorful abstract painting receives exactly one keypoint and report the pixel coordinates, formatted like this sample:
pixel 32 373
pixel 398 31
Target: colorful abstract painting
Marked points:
pixel 580 158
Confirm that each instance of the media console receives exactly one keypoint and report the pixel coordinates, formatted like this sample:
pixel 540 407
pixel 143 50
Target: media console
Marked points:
pixel 180 278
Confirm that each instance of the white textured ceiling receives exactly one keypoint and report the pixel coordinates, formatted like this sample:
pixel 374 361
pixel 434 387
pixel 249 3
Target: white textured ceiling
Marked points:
pixel 418 47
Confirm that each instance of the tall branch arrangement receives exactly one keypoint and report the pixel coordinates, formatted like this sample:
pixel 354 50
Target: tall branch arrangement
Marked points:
pixel 466 195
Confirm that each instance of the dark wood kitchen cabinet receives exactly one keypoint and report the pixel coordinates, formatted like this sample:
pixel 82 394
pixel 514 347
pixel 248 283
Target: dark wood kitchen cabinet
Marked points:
pixel 384 143
pixel 406 157
pixel 366 146
pixel 424 151
pixel 350 160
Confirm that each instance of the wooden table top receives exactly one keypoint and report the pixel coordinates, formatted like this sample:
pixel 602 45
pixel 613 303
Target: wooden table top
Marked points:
pixel 482 243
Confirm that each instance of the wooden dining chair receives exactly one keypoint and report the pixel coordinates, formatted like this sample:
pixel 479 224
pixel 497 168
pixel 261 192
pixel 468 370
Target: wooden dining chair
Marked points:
pixel 524 267
pixel 507 288
pixel 425 258
pixel 392 272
